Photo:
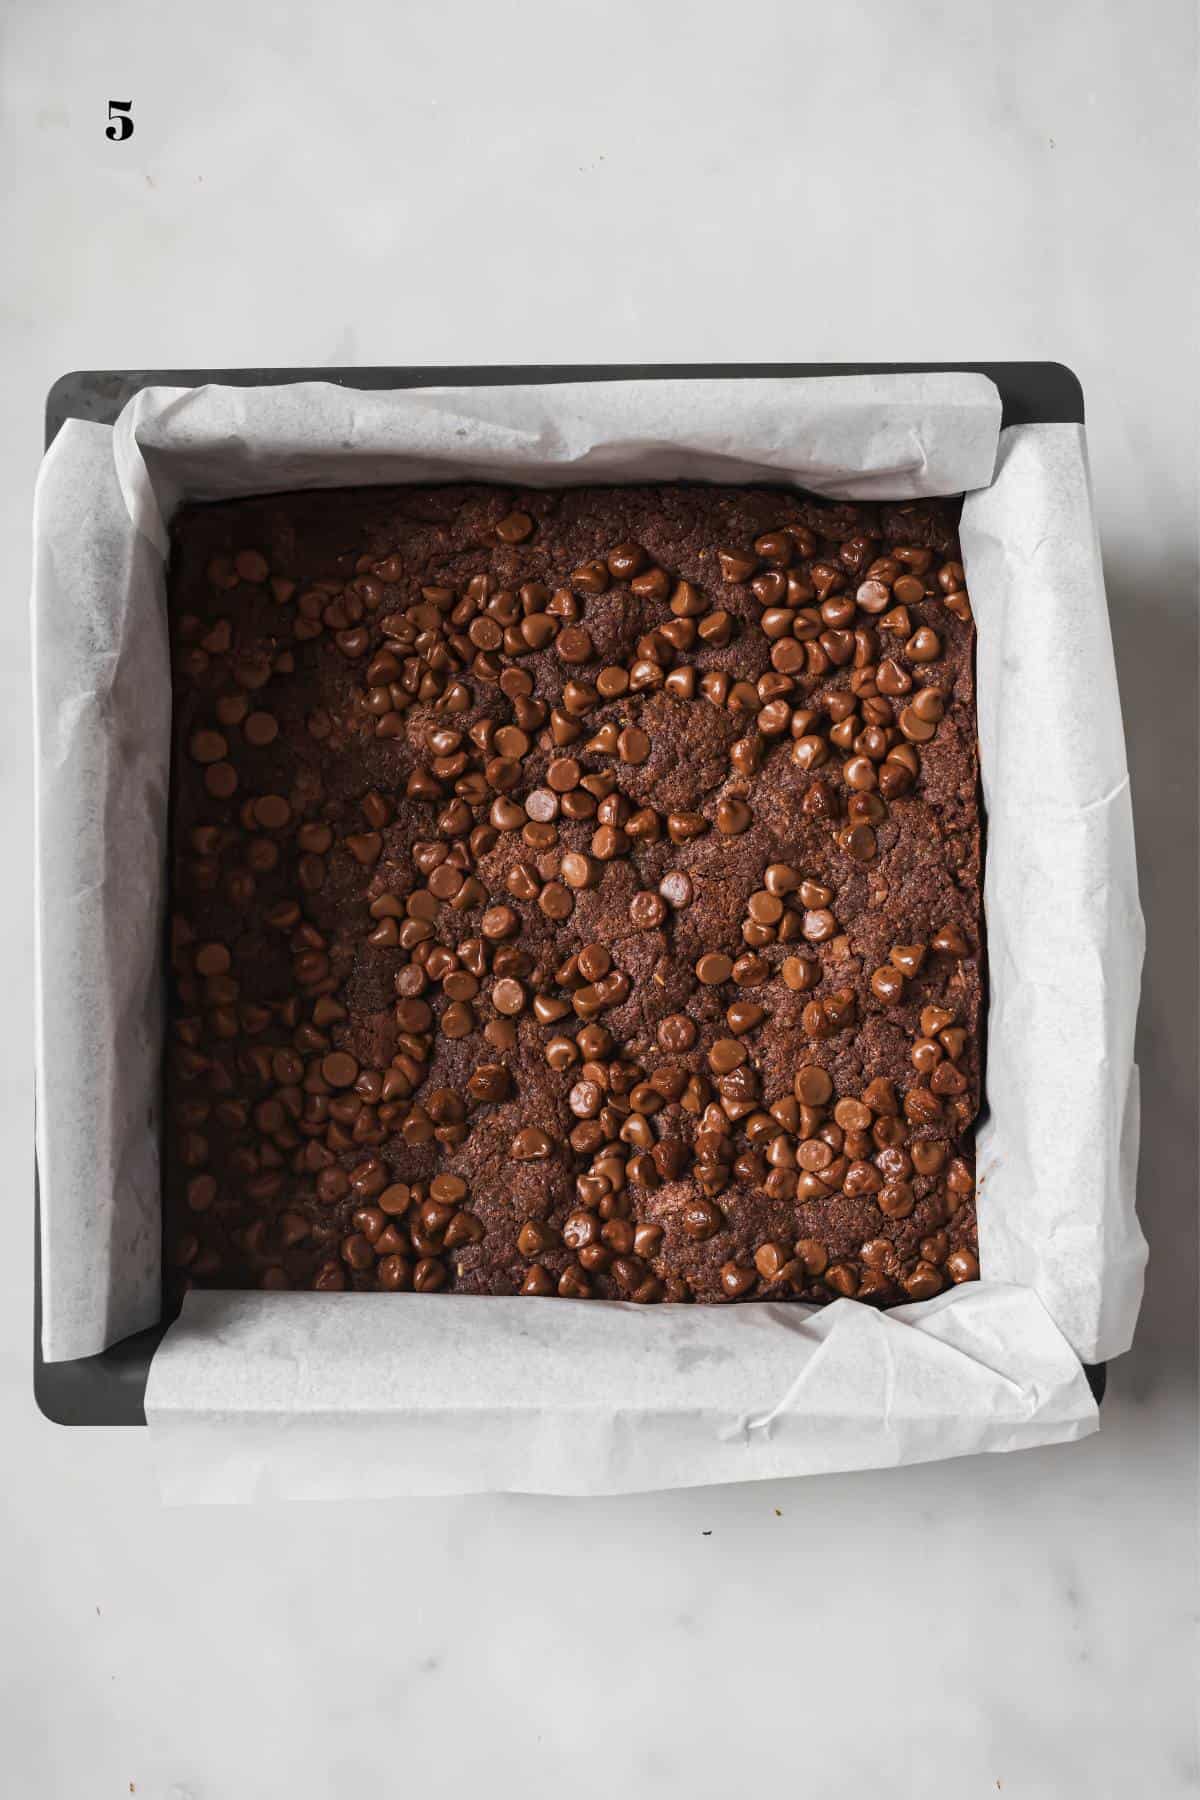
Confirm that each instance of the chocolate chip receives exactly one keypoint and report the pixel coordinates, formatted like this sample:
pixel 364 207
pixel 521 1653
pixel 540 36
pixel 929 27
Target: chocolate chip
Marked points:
pixel 530 1144
pixel 339 1069
pixel 737 1280
pixel 357 1251
pixel 574 645
pixel 573 1284
pixel 220 779
pixel 260 729
pixel 733 817
pixel 812 1256
pixel 429 1275
pixel 647 911
pixel 959 1178
pixel 895 1199
pixel 633 746
pixel 508 996
pixel 626 560
pixel 207 747
pixel 251 565
pixel 556 901
pixel 887 984
pixel 676 889
pixel 655 584
pixel 490 1081
pixel 914 727
pixel 578 871
pixel 923 646
pixel 801 974
pixel 713 968
pixel 701 1218
pixel 812 1085
pixel 922 1281
pixel 514 527
pixel 563 774
pixel 736 565
pixel 819 925
pixel 590 578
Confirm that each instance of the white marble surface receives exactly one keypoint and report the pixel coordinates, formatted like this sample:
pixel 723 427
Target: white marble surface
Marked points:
pixel 617 181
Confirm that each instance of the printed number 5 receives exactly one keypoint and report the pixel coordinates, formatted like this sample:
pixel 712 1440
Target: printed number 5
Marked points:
pixel 122 125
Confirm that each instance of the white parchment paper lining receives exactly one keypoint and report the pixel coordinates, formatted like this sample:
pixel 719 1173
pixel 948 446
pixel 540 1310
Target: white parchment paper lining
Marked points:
pixel 334 1395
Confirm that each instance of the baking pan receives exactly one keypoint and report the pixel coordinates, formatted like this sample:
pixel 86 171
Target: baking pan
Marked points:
pixel 109 1389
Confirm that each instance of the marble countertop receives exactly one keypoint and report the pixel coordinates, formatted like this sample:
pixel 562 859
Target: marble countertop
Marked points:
pixel 605 181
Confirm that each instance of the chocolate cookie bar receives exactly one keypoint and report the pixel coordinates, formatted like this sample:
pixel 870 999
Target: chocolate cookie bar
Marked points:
pixel 573 893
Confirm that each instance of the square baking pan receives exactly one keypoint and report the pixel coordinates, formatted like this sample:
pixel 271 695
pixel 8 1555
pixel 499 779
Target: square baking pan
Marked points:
pixel 109 1389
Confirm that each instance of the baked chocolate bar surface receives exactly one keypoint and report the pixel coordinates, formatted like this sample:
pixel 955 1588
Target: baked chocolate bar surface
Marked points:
pixel 573 892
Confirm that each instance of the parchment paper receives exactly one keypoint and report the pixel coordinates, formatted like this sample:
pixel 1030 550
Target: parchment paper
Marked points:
pixel 102 713
pixel 264 1396
pixel 344 1394
pixel 936 434
pixel 1057 1151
